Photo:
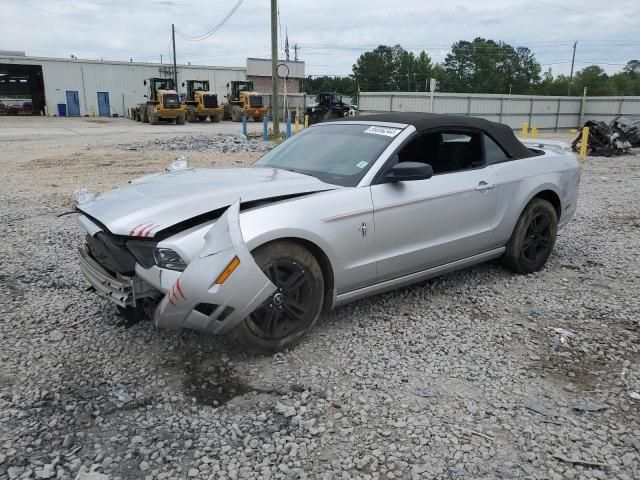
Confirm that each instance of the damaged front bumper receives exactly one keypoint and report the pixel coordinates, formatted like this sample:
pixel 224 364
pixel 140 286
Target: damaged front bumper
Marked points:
pixel 122 290
pixel 202 298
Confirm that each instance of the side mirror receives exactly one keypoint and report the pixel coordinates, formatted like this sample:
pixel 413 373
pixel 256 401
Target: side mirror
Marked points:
pixel 144 82
pixel 183 84
pixel 407 171
pixel 227 85
pixel 146 96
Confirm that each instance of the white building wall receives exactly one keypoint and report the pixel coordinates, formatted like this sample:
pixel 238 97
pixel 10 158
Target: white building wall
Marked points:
pixel 123 80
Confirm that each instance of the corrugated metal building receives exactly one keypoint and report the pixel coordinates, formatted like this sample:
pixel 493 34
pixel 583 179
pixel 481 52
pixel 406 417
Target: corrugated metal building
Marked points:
pixel 92 87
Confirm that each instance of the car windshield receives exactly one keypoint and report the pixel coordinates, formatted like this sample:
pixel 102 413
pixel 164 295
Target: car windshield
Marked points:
pixel 337 154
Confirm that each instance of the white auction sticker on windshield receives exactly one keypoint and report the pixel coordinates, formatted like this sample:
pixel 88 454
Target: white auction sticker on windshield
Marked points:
pixel 386 131
pixel 362 164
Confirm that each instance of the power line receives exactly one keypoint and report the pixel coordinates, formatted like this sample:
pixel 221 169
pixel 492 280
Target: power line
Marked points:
pixel 204 36
pixel 586 13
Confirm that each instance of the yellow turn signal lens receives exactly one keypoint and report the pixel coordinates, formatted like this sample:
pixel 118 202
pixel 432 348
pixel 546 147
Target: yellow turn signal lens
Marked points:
pixel 233 264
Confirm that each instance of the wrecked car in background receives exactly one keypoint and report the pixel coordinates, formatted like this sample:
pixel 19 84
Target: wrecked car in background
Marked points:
pixel 338 212
pixel 615 138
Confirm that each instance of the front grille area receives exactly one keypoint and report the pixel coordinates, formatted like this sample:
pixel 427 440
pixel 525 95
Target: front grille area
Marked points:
pixel 210 101
pixel 111 253
pixel 255 101
pixel 171 100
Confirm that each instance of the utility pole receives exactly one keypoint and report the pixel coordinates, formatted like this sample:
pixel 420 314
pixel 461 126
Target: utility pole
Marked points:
pixel 175 68
pixel 573 61
pixel 295 50
pixel 275 110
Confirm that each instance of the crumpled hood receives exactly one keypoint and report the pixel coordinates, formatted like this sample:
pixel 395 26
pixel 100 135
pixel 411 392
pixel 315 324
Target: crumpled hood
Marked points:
pixel 154 202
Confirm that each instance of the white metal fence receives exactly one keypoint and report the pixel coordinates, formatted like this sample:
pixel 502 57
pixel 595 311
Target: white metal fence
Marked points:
pixel 513 110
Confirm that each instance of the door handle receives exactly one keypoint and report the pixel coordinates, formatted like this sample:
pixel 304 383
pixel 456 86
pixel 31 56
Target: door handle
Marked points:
pixel 485 186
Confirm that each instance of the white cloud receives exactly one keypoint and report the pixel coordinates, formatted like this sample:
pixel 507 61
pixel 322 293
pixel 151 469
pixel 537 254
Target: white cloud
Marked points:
pixel 331 33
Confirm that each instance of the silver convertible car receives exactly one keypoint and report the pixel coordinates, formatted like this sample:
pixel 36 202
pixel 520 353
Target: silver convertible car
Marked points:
pixel 340 211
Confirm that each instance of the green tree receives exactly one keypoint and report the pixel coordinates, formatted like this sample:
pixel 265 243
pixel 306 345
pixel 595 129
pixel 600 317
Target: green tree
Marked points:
pixel 344 85
pixel 594 78
pixel 487 66
pixel 632 68
pixel 377 71
pixel 392 69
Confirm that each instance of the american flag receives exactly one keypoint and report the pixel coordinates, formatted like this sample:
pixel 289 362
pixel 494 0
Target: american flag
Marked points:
pixel 286 47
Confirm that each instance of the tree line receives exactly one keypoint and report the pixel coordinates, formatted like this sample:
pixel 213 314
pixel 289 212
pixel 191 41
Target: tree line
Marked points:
pixel 479 66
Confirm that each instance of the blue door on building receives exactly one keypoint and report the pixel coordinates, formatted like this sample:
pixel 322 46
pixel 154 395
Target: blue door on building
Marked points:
pixel 103 104
pixel 73 103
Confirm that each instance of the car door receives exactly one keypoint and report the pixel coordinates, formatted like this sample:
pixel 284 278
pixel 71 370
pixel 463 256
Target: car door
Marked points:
pixel 421 224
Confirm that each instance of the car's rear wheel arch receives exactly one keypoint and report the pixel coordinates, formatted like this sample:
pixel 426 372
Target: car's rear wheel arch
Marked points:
pixel 324 262
pixel 551 197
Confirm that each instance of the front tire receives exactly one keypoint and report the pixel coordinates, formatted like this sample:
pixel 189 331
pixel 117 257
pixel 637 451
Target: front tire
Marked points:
pixel 533 239
pixel 295 306
pixel 236 113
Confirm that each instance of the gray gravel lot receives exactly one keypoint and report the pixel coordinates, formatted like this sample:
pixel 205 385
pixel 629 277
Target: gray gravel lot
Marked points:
pixel 459 377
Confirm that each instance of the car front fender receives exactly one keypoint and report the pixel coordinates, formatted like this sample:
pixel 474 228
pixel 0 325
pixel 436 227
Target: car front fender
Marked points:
pixel 196 300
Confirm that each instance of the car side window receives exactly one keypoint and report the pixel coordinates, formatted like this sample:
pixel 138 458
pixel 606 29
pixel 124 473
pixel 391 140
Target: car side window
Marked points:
pixel 445 151
pixel 493 153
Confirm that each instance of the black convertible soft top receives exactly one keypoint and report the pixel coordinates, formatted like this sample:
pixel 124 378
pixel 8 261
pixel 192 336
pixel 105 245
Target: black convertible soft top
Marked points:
pixel 502 134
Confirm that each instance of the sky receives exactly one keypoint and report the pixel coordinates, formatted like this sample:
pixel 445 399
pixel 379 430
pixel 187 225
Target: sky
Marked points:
pixel 331 34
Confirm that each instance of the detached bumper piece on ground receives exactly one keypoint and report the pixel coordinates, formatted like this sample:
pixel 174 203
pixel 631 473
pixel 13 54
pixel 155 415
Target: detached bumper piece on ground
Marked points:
pixel 616 138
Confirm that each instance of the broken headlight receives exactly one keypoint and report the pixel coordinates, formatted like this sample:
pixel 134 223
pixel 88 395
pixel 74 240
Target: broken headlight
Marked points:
pixel 143 252
pixel 167 258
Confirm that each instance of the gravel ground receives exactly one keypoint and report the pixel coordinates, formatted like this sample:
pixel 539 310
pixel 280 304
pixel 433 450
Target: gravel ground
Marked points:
pixel 460 377
pixel 203 143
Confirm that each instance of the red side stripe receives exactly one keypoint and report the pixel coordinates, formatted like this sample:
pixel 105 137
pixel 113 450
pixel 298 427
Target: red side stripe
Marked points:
pixel 180 289
pixel 148 234
pixel 145 231
pixel 133 230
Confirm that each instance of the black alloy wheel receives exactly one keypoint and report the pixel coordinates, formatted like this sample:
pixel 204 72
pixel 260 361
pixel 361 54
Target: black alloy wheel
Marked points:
pixel 537 239
pixel 533 238
pixel 287 310
pixel 295 305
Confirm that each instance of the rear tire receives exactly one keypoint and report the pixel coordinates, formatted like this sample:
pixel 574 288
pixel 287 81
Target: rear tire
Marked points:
pixel 180 120
pixel 153 119
pixel 533 239
pixel 294 308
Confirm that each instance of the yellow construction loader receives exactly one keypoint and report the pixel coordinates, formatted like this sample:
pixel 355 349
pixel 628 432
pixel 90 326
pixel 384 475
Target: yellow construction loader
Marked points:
pixel 201 103
pixel 242 99
pixel 163 103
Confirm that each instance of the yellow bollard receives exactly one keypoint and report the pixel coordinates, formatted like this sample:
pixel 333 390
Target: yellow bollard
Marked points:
pixel 525 130
pixel 584 141
pixel 296 128
pixel 534 132
pixel 306 121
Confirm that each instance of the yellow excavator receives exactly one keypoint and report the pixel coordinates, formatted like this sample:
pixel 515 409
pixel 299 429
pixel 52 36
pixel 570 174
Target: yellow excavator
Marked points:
pixel 163 103
pixel 201 103
pixel 242 99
